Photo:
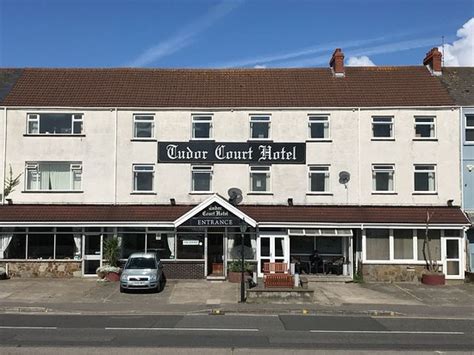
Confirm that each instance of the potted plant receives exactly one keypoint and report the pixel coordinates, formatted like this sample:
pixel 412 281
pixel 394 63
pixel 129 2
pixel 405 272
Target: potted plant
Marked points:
pixel 432 275
pixel 234 270
pixel 110 271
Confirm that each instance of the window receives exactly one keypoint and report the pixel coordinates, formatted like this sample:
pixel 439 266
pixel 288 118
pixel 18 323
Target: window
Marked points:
pixel 434 235
pixel 260 179
pixel 201 178
pixel 382 178
pixel 425 180
pixel 202 127
pixel 403 244
pixel 318 127
pixel 469 128
pixel 382 127
pixel 53 176
pixel 190 246
pixel 425 127
pixel 161 243
pixel 143 126
pixel 260 127
pixel 377 244
pixel 319 178
pixel 54 123
pixel 143 178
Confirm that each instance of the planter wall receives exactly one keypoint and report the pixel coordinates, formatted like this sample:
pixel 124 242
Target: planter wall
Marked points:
pixel 30 268
pixel 234 277
pixel 433 279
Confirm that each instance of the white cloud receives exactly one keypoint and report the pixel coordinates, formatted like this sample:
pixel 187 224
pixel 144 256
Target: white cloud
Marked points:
pixel 362 61
pixel 461 51
pixel 258 66
pixel 185 37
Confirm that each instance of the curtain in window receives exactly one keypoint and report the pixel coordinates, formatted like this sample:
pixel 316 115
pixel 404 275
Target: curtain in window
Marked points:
pixel 171 244
pixel 55 176
pixel 431 182
pixel 5 240
pixel 403 244
pixel 78 244
pixel 253 243
pixel 377 244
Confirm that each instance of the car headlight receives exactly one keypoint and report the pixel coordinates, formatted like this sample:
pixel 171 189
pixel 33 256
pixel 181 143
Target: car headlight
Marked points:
pixel 123 278
pixel 153 278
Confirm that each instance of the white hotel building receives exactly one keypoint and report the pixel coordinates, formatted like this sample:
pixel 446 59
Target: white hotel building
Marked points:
pixel 359 156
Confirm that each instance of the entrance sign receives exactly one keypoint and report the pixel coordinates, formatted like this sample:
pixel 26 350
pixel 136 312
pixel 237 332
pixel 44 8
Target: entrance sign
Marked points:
pixel 213 215
pixel 237 153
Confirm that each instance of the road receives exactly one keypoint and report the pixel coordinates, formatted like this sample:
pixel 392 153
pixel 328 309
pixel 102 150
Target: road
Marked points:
pixel 237 331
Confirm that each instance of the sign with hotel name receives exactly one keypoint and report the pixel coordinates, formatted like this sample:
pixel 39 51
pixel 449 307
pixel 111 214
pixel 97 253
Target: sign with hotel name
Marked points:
pixel 231 153
pixel 213 216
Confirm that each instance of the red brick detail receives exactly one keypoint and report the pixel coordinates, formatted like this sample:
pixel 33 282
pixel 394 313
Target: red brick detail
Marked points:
pixel 183 269
pixel 433 60
pixel 337 62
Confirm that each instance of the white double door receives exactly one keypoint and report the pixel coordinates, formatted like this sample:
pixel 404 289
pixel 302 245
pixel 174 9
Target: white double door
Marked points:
pixel 273 247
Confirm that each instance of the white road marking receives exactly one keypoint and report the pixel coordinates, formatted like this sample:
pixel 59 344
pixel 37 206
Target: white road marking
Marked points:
pixel 11 327
pixel 190 329
pixel 386 332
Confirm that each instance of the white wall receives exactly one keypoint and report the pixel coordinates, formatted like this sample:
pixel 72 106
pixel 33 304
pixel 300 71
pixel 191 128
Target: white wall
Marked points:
pixel 345 151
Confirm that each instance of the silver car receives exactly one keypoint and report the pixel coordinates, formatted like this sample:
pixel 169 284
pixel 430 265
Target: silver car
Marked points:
pixel 142 271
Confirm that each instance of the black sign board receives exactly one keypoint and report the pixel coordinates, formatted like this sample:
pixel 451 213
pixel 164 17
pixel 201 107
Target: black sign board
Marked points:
pixel 236 153
pixel 213 215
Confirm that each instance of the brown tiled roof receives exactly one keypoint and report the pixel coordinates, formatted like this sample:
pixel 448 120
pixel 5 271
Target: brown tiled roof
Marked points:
pixel 460 84
pixel 213 88
pixel 168 213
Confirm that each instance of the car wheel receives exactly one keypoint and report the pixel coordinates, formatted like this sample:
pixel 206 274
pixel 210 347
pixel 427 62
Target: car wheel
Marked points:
pixel 122 290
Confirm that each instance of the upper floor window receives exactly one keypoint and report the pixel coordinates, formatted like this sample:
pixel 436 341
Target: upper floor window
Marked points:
pixel 53 176
pixel 143 126
pixel 201 178
pixel 425 127
pixel 470 128
pixel 382 127
pixel 260 179
pixel 425 178
pixel 201 126
pixel 319 178
pixel 143 175
pixel 318 127
pixel 382 178
pixel 260 127
pixel 54 123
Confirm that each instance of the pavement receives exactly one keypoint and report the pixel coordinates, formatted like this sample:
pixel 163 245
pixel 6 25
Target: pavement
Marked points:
pixel 88 296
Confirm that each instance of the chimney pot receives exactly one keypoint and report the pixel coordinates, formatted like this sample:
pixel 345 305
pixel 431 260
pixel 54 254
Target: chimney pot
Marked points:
pixel 433 61
pixel 337 63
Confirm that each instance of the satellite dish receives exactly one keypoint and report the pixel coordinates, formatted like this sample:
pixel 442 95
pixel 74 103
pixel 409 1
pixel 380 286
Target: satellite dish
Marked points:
pixel 235 196
pixel 344 177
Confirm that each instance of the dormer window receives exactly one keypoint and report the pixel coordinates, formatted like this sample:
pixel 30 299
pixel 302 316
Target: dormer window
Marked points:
pixel 54 123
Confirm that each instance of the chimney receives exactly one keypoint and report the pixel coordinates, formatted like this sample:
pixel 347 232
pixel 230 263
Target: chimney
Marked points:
pixel 337 63
pixel 433 61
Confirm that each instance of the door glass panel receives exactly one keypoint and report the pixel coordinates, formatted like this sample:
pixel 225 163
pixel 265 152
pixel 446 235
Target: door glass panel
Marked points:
pixel 90 266
pixel 452 249
pixel 279 247
pixel 92 246
pixel 265 247
pixel 452 267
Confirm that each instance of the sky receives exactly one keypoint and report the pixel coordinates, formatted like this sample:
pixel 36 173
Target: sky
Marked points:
pixel 232 33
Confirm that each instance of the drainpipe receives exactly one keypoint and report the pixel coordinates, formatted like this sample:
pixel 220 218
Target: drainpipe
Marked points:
pixel 115 155
pixel 4 153
pixel 358 156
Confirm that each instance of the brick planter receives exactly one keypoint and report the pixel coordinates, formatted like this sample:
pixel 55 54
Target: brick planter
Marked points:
pixel 234 277
pixel 433 279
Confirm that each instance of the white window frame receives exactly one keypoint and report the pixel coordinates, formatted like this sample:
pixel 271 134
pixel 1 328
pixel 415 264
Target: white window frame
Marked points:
pixel 201 118
pixel 387 168
pixel 323 170
pixel 319 118
pixel 139 118
pixel 468 128
pixel 425 171
pixel 36 117
pixel 433 124
pixel 259 119
pixel 75 169
pixel 202 169
pixel 259 169
pixel 390 123
pixel 143 168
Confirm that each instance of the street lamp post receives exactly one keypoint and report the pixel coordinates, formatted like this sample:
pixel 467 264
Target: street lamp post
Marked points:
pixel 243 228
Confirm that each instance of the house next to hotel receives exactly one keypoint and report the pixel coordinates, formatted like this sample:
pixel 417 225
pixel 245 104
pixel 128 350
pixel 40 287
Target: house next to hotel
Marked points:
pixel 345 161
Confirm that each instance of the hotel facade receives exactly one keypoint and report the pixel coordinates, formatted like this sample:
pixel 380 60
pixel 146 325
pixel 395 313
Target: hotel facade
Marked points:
pixel 345 161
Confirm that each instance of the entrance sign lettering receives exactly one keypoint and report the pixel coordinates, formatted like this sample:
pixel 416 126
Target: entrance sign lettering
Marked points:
pixel 213 216
pixel 237 153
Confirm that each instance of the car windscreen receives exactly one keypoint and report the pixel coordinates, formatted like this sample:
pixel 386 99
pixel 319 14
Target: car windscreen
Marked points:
pixel 141 263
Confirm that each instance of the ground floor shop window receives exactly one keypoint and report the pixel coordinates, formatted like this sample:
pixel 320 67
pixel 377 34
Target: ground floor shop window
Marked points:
pixel 403 244
pixel 377 244
pixel 13 245
pixel 434 237
pixel 162 243
pixel 139 240
pixel 40 243
pixel 190 246
pixel 234 242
